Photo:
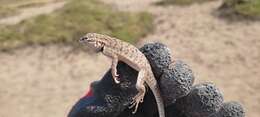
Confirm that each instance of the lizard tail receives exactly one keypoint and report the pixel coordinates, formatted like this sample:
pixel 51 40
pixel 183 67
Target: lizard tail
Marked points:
pixel 159 100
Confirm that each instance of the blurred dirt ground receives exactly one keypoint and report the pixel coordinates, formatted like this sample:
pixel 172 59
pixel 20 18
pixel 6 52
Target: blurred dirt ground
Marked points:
pixel 41 81
pixel 46 81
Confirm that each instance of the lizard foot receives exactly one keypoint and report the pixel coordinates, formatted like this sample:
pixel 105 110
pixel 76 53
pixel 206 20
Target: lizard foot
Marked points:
pixel 135 102
pixel 116 78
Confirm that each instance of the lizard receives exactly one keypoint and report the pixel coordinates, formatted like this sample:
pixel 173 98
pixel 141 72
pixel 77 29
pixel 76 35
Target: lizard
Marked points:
pixel 119 50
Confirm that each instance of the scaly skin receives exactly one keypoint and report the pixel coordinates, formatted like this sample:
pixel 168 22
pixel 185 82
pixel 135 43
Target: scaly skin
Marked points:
pixel 119 50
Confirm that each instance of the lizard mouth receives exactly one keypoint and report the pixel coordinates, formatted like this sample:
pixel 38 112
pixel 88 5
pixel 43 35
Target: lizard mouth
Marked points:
pixel 82 39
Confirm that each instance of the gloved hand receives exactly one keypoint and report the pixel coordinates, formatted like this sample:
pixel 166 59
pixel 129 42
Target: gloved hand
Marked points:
pixel 175 78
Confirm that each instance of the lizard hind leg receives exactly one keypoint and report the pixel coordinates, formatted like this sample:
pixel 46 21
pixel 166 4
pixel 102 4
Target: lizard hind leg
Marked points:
pixel 141 92
pixel 137 99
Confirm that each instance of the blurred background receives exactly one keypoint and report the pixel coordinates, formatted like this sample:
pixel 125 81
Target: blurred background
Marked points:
pixel 44 71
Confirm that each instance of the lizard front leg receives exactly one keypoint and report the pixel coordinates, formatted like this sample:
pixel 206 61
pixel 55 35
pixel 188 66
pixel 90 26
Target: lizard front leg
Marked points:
pixel 109 53
pixel 113 68
pixel 141 91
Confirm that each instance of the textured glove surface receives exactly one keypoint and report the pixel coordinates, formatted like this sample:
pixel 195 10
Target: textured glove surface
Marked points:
pixel 175 78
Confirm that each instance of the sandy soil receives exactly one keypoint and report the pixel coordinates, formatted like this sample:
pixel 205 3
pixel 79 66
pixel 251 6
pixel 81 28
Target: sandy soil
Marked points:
pixel 40 81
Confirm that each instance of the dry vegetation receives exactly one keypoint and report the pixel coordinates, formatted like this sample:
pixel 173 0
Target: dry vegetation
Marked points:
pixel 246 8
pixel 74 20
pixel 11 7
pixel 181 2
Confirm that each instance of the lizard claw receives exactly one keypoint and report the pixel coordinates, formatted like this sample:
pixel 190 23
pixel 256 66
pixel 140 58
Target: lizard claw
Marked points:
pixel 117 81
pixel 134 103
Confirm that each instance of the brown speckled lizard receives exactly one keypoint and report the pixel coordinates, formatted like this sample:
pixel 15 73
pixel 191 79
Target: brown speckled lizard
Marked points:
pixel 120 50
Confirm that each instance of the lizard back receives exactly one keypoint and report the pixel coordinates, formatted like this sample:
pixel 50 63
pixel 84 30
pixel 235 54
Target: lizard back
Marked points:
pixel 129 54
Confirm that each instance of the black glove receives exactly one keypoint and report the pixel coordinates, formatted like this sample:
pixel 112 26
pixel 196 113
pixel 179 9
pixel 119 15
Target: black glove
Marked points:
pixel 175 78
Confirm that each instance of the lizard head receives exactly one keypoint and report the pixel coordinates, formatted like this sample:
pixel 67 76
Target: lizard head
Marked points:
pixel 94 41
